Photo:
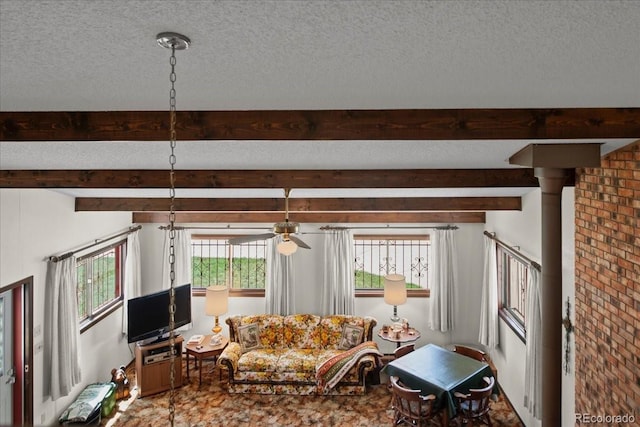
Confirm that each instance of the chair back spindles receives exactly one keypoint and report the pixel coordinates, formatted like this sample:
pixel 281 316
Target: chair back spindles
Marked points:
pixel 409 407
pixel 471 352
pixel 476 404
pixel 402 350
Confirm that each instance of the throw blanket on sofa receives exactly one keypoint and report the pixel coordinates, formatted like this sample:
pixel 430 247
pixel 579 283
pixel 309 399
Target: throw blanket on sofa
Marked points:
pixel 331 371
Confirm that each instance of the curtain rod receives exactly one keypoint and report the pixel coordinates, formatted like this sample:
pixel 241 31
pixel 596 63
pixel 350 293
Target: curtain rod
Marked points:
pixel 324 227
pixel 388 227
pixel 515 252
pixel 56 258
pixel 227 227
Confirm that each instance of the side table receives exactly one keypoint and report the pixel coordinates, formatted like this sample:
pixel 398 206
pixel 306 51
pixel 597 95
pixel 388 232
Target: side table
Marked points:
pixel 205 350
pixel 404 337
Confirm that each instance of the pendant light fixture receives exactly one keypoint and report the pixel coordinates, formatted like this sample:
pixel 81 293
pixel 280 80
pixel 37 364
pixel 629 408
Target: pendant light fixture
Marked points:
pixel 173 41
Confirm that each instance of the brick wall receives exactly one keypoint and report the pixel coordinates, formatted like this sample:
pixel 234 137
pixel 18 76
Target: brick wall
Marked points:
pixel 607 320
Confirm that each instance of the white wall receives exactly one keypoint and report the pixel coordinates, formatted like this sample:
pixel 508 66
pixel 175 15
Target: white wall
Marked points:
pixel 308 279
pixel 35 224
pixel 524 229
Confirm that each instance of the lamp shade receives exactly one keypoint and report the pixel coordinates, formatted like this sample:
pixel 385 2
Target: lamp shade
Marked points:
pixel 217 300
pixel 395 289
pixel 287 247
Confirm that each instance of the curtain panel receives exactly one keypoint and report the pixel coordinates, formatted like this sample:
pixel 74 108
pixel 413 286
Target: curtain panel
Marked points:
pixel 62 329
pixel 132 276
pixel 338 290
pixel 279 290
pixel 443 280
pixel 489 334
pixel 533 363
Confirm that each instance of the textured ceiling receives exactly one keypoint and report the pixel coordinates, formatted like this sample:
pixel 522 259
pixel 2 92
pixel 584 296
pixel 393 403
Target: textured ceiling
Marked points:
pixel 102 55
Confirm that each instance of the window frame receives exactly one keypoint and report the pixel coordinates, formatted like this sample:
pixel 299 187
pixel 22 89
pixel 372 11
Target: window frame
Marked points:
pixel 96 315
pixel 506 312
pixel 235 292
pixel 377 293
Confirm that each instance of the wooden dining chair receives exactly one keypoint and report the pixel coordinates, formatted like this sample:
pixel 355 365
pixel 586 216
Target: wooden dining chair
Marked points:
pixel 477 355
pixel 405 349
pixel 471 352
pixel 476 404
pixel 409 407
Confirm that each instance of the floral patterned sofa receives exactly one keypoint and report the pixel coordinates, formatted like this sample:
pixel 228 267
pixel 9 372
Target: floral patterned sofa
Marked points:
pixel 299 354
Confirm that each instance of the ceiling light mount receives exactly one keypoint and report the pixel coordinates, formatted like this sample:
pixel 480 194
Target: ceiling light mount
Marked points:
pixel 286 227
pixel 173 41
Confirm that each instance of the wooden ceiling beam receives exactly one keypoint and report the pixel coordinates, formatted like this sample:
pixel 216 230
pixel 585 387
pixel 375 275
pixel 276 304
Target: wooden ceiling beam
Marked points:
pixel 312 217
pixel 372 178
pixel 397 124
pixel 391 204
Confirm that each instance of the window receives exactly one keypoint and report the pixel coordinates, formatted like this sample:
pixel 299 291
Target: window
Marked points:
pixel 513 276
pixel 377 256
pixel 216 262
pixel 100 276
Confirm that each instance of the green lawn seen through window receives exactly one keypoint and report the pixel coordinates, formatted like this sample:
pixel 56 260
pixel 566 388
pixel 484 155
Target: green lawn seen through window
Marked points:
pixel 366 280
pixel 247 273
pixel 214 271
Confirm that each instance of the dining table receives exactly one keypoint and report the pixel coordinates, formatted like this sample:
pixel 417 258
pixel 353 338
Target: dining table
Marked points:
pixel 436 370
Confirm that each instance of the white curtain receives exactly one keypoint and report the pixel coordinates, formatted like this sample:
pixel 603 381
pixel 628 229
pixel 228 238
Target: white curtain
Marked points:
pixel 132 276
pixel 443 280
pixel 62 329
pixel 489 329
pixel 182 251
pixel 279 291
pixel 533 363
pixel 338 293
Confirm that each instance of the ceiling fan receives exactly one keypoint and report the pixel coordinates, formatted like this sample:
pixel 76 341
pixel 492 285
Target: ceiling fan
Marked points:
pixel 286 229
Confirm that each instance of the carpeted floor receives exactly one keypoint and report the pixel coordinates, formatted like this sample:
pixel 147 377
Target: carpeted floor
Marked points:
pixel 211 405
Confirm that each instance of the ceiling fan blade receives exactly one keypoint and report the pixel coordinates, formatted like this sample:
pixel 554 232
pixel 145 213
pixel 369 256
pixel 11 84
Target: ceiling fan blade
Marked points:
pixel 251 238
pixel 299 242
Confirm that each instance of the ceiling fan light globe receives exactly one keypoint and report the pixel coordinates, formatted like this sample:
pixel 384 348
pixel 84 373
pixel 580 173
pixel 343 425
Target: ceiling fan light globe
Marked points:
pixel 287 248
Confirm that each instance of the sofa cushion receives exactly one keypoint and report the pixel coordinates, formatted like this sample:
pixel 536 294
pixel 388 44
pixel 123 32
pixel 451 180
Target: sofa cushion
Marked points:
pixel 301 360
pixel 260 360
pixel 331 328
pixel 351 336
pixel 249 337
pixel 301 331
pixel 271 325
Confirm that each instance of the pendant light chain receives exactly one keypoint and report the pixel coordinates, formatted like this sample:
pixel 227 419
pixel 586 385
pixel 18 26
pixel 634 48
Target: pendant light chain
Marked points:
pixel 172 235
pixel 173 41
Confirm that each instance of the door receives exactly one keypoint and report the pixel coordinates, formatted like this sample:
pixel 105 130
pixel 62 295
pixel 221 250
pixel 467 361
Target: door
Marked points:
pixel 7 368
pixel 16 353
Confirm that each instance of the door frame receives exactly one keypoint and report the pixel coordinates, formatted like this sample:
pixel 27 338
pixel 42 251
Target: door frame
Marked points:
pixel 23 326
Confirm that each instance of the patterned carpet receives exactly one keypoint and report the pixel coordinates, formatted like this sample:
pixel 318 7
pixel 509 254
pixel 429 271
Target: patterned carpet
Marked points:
pixel 210 405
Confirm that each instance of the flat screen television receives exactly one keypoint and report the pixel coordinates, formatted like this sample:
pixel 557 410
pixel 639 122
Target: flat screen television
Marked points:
pixel 149 314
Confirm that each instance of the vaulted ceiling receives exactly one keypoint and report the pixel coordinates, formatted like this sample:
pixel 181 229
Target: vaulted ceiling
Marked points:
pixel 371 111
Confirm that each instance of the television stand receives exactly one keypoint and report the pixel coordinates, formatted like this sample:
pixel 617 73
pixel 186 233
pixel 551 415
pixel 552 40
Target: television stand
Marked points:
pixel 153 366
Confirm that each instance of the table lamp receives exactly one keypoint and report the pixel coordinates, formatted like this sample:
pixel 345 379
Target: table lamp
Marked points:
pixel 395 292
pixel 216 304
